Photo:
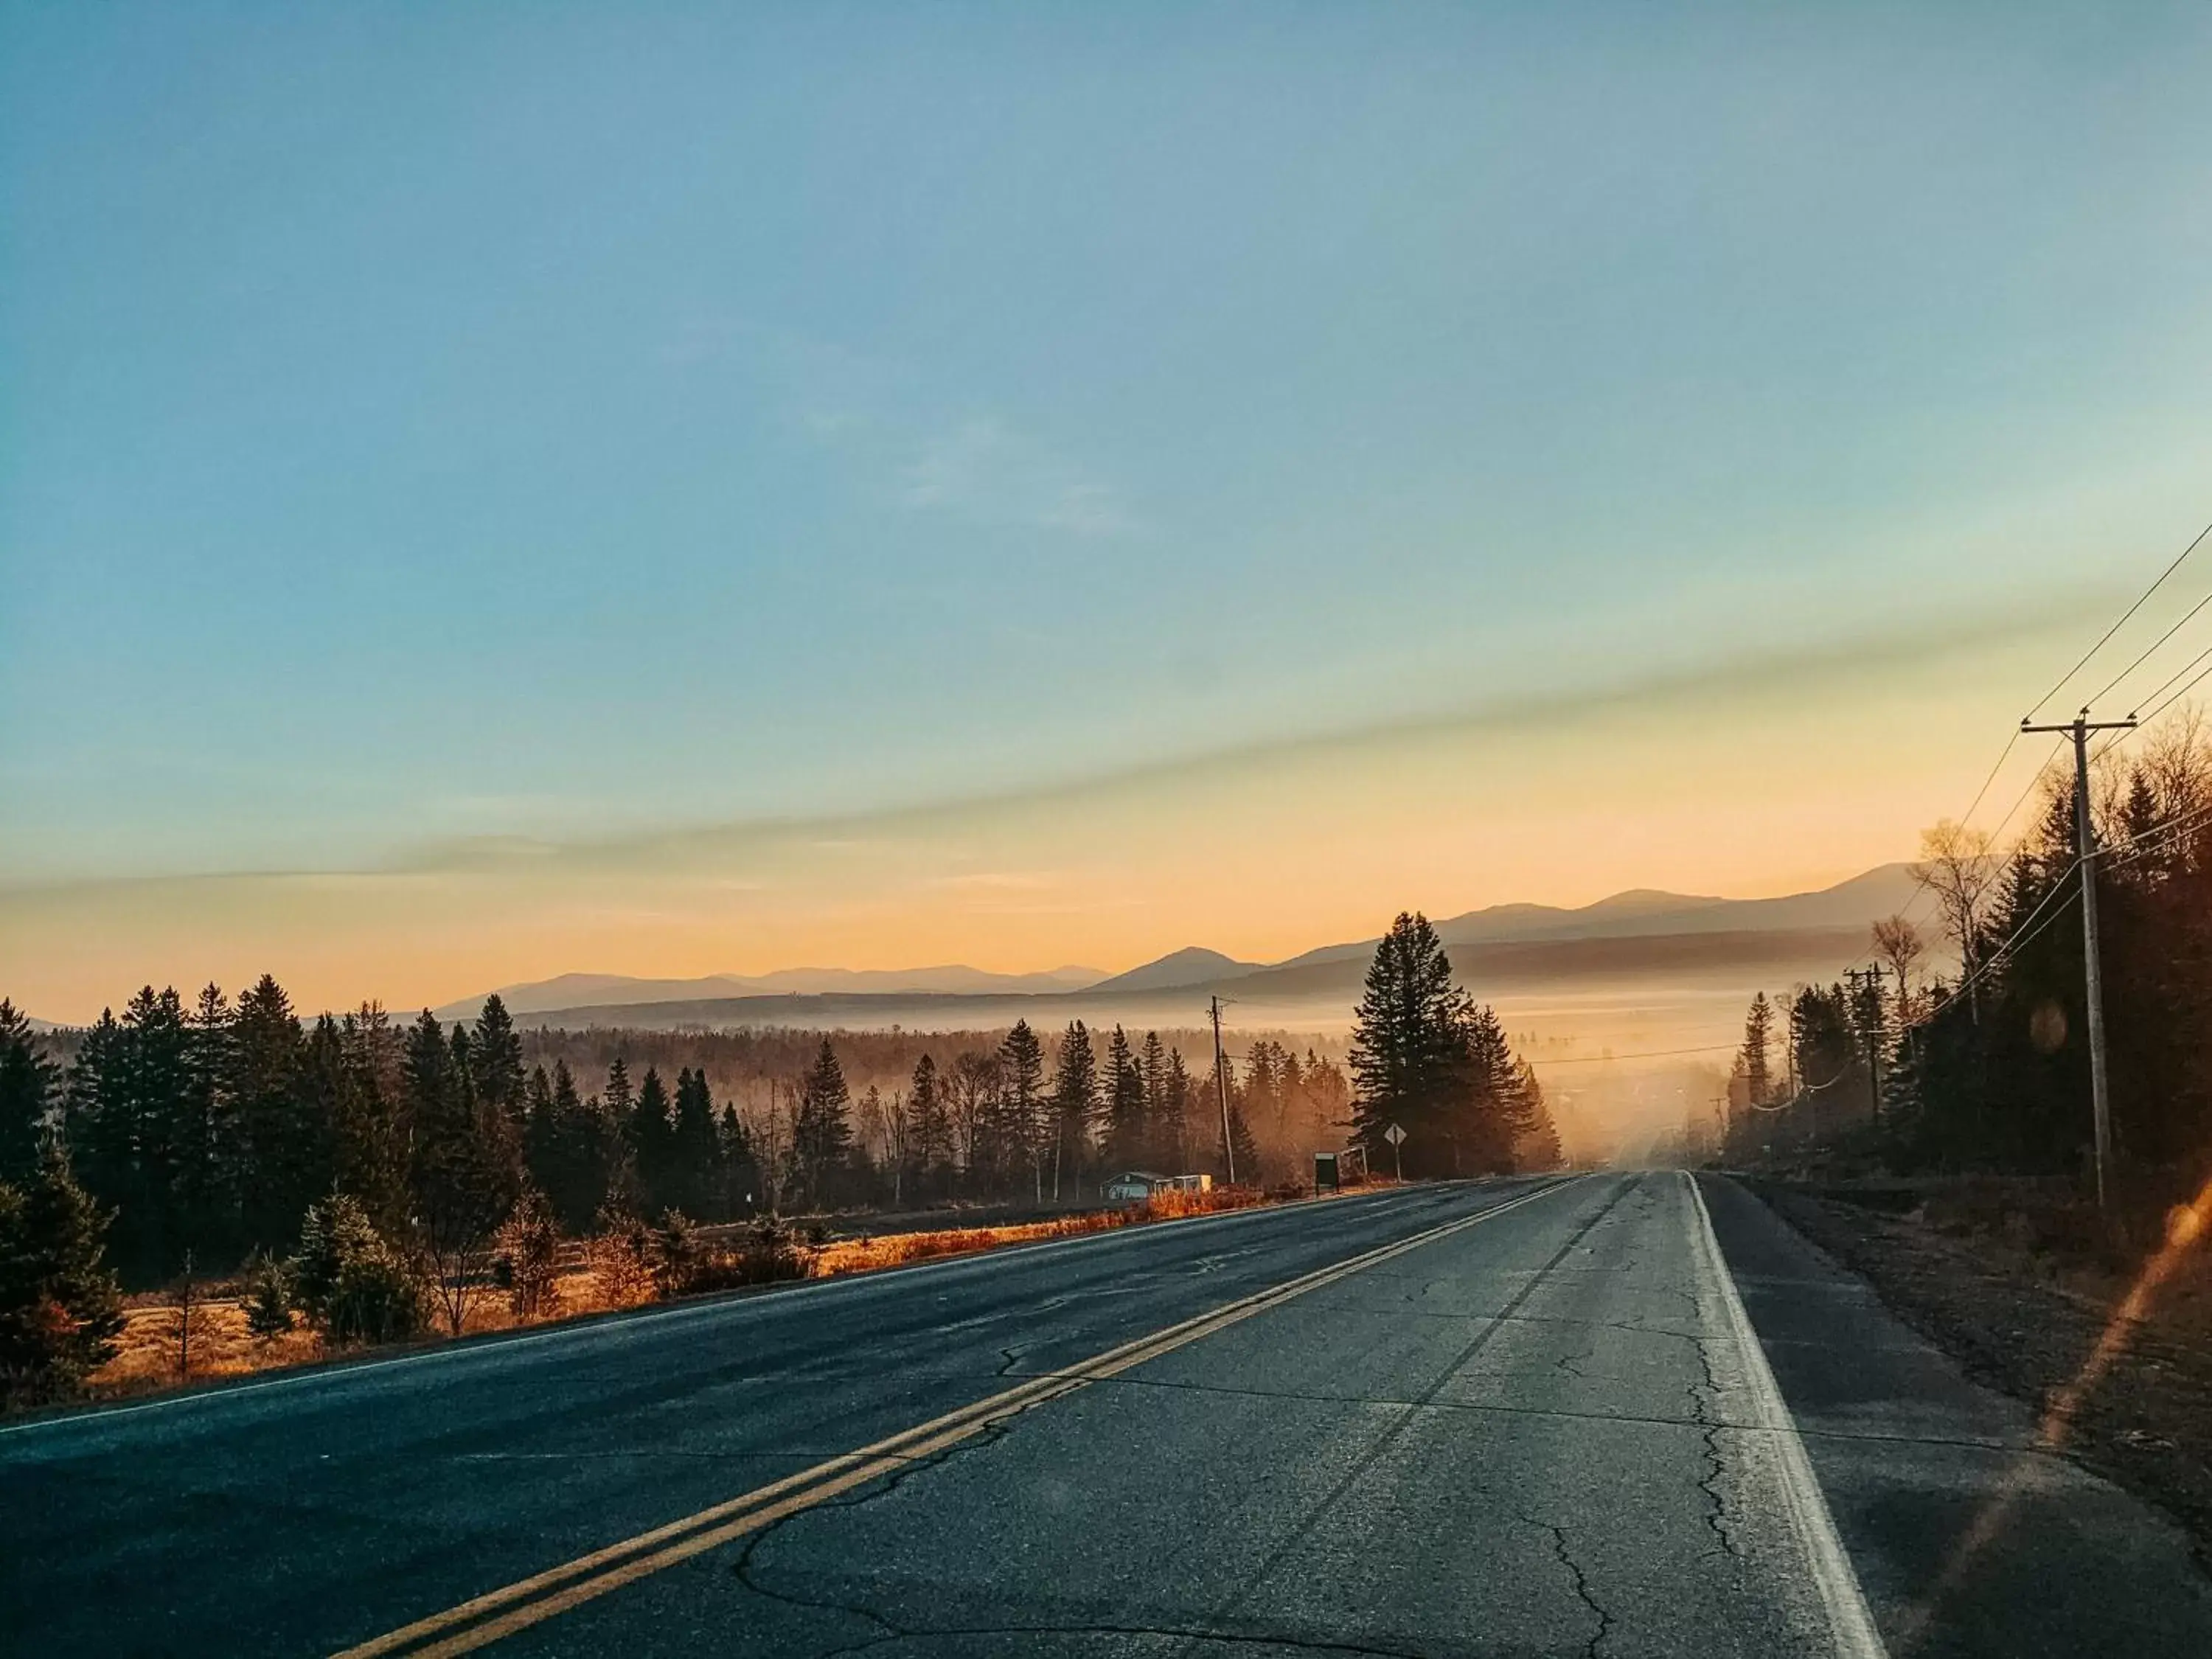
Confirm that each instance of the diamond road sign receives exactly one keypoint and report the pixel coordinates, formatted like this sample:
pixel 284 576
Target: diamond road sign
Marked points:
pixel 1393 1134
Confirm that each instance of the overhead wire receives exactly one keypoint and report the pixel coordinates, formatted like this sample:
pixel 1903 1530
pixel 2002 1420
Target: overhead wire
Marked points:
pixel 2104 638
pixel 2187 617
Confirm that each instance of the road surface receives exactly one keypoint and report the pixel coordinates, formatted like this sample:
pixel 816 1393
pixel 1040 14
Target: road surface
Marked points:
pixel 1616 1414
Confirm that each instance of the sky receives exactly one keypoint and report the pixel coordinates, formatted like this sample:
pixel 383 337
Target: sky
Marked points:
pixel 493 491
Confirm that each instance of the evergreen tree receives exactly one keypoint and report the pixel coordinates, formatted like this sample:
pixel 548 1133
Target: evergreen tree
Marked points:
pixel 694 1181
pixel 1246 1149
pixel 372 1136
pixel 29 1091
pixel 286 1143
pixel 127 1112
pixel 467 1170
pixel 213 1173
pixel 60 1306
pixel 1410 1051
pixel 498 1055
pixel 1074 1103
pixel 822 1129
pixel 1126 1127
pixel 652 1142
pixel 740 1171
pixel 541 1131
pixel 1757 1039
pixel 1172 1124
pixel 1020 1108
pixel 933 1126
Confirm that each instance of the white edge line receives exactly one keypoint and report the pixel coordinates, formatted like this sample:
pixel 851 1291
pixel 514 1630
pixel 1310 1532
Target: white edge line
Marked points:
pixel 631 1319
pixel 1848 1617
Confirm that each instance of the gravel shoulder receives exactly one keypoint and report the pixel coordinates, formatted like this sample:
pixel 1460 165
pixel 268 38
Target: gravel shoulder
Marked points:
pixel 2027 1323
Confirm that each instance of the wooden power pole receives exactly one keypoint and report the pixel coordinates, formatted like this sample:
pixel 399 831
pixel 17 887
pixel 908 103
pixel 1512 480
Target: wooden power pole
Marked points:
pixel 2085 851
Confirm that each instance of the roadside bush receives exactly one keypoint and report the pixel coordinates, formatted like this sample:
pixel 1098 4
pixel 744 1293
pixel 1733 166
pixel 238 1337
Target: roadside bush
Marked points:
pixel 268 1298
pixel 528 1264
pixel 351 1285
pixel 621 1256
pixel 677 1255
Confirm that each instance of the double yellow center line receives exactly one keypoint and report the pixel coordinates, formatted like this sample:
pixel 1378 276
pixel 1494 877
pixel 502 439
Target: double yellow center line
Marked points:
pixel 501 1613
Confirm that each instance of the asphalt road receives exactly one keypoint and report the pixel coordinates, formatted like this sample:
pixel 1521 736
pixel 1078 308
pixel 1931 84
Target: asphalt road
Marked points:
pixel 1620 1414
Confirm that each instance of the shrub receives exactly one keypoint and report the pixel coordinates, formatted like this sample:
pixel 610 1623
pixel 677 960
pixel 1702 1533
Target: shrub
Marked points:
pixel 528 1265
pixel 268 1298
pixel 677 1256
pixel 352 1286
pixel 621 1255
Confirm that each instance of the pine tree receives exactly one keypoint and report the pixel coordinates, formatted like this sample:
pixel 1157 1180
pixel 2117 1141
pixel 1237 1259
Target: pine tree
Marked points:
pixel 467 1170
pixel 30 1088
pixel 286 1144
pixel 372 1136
pixel 1074 1103
pixel 1126 1127
pixel 652 1142
pixel 741 1180
pixel 1020 1108
pixel 1758 1038
pixel 127 1113
pixel 933 1125
pixel 498 1054
pixel 212 1176
pixel 821 1130
pixel 1171 1127
pixel 694 1177
pixel 1410 1051
pixel 60 1306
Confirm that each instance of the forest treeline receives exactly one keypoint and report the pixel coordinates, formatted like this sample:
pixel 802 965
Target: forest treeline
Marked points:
pixel 1986 1066
pixel 368 1177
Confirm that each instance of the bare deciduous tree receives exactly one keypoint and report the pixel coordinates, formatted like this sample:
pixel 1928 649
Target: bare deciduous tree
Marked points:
pixel 1959 869
pixel 1898 947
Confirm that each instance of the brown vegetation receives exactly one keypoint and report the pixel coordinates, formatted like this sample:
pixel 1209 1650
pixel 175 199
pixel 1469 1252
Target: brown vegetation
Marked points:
pixel 622 1268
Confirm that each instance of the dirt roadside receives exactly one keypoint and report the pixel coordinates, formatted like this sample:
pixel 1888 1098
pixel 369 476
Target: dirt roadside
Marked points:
pixel 2025 1323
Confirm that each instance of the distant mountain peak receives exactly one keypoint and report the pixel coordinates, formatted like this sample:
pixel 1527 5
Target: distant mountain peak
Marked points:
pixel 1192 965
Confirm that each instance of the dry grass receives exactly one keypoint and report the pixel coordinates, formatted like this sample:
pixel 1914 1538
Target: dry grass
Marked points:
pixel 146 1356
pixel 853 1255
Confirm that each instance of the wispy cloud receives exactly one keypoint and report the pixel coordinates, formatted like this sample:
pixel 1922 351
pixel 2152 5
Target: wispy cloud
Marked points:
pixel 981 469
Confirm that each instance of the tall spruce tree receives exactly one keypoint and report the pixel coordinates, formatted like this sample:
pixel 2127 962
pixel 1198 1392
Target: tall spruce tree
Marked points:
pixel 1074 1103
pixel 1019 1116
pixel 933 1126
pixel 822 1129
pixel 287 1141
pixel 1126 1127
pixel 1410 1050
pixel 30 1086
pixel 498 1054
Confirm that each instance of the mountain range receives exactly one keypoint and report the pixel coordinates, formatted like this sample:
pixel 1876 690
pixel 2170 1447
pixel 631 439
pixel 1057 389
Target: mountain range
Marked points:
pixel 1686 940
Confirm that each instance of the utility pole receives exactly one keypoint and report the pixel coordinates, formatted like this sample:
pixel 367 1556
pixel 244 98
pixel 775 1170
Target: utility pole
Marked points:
pixel 2085 850
pixel 1221 1085
pixel 1874 1035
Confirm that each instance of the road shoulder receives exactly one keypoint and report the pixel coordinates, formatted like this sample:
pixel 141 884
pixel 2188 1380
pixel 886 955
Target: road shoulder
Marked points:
pixel 1967 1538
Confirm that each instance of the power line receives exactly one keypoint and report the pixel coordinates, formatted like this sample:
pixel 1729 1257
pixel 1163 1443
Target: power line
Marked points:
pixel 2147 651
pixel 2176 695
pixel 2004 755
pixel 2106 635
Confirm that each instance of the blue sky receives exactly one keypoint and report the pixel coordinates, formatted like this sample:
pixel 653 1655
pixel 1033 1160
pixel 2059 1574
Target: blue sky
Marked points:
pixel 554 423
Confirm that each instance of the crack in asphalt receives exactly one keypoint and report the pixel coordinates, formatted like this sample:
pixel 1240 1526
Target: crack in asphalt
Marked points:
pixel 1166 1632
pixel 1011 1357
pixel 1384 1442
pixel 992 1431
pixel 1581 1580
